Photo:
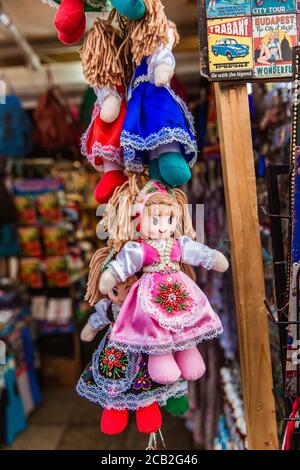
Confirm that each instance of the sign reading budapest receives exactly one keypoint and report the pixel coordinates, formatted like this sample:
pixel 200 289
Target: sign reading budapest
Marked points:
pixel 247 39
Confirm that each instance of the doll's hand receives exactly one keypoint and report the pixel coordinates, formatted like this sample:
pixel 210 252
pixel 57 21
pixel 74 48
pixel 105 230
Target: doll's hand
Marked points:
pixel 107 282
pixel 110 109
pixel 163 74
pixel 88 333
pixel 221 264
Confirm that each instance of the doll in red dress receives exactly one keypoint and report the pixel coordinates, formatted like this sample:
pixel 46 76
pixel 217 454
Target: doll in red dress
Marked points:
pixel 104 70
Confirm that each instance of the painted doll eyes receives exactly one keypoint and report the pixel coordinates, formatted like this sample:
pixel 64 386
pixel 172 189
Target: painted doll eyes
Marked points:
pixel 115 292
pixel 155 220
pixel 170 220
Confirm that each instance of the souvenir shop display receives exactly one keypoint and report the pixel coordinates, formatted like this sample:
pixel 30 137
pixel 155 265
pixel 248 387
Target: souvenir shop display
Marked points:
pixel 123 269
pixel 153 334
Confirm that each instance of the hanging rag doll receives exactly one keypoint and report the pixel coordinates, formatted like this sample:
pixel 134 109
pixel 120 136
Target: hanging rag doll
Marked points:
pixel 165 314
pixel 158 129
pixel 70 20
pixel 116 380
pixel 104 70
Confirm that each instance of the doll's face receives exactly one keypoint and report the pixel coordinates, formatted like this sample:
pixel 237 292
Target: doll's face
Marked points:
pixel 157 227
pixel 119 293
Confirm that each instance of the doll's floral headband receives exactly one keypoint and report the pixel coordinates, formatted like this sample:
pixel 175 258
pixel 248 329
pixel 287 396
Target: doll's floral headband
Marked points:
pixel 151 188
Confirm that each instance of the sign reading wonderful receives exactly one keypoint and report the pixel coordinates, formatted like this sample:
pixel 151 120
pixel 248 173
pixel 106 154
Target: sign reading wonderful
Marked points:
pixel 248 39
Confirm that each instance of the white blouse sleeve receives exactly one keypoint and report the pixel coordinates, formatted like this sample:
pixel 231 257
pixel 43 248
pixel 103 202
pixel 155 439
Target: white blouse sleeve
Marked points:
pixel 162 55
pixel 196 254
pixel 104 92
pixel 99 320
pixel 128 262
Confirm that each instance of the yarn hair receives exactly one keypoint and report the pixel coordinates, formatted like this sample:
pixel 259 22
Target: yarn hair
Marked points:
pixel 148 34
pixel 102 65
pixel 93 294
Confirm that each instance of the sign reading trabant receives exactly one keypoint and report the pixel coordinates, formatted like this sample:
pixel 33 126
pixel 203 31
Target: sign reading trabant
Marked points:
pixel 248 39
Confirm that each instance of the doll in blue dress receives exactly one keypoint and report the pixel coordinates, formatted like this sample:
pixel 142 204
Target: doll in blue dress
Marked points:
pixel 158 129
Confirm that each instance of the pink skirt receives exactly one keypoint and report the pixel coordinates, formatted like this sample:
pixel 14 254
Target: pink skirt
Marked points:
pixel 164 313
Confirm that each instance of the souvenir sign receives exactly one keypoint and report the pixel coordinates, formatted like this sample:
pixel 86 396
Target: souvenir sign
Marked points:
pixel 274 37
pixel 248 40
pixel 230 47
pixel 227 8
pixel 272 7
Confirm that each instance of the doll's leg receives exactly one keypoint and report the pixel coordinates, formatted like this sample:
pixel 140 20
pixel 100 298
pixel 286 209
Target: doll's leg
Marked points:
pixel 113 421
pixel 163 369
pixel 69 16
pixel 75 36
pixel 172 167
pixel 190 363
pixel 112 178
pixel 132 9
pixel 148 419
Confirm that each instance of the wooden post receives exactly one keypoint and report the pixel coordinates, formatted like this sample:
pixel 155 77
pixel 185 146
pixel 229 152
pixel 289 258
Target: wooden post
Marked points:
pixel 248 276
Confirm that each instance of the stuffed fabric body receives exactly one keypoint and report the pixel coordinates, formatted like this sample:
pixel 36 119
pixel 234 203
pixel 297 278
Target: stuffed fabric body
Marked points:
pixel 118 380
pixel 165 311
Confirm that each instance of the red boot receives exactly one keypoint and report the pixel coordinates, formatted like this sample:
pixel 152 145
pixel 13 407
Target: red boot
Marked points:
pixel 69 16
pixel 148 419
pixel 113 421
pixel 108 183
pixel 75 36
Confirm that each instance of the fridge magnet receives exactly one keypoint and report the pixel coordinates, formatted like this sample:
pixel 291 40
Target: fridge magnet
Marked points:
pixel 224 8
pixel 272 7
pixel 274 37
pixel 230 48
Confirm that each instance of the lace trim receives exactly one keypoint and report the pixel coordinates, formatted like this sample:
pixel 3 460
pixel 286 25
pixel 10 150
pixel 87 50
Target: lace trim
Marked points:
pixel 104 92
pixel 159 349
pixel 132 142
pixel 130 401
pixel 133 163
pixel 137 81
pixel 109 386
pixel 176 323
pixel 165 263
pixel 106 152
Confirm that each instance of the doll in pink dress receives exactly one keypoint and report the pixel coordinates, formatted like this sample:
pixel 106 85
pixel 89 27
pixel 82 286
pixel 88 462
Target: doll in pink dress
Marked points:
pixel 165 314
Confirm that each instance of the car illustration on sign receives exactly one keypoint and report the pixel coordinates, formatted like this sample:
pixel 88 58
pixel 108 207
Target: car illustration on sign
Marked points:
pixel 229 48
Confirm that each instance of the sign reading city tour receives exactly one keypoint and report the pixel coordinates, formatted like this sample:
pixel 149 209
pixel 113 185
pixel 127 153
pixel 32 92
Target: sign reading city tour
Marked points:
pixel 248 39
